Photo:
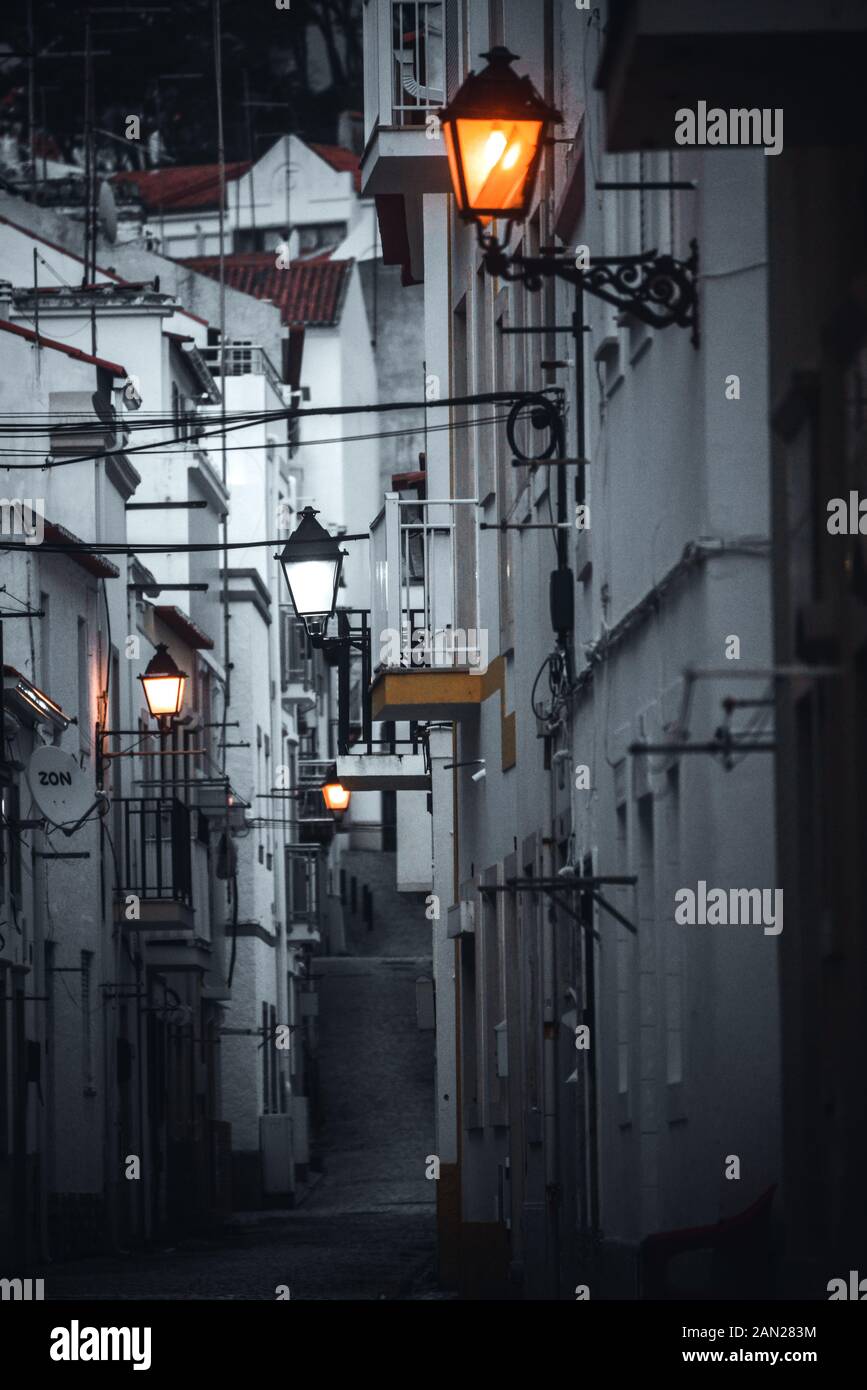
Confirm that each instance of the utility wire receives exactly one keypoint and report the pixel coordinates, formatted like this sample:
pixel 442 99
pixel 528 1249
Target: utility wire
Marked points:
pixel 157 452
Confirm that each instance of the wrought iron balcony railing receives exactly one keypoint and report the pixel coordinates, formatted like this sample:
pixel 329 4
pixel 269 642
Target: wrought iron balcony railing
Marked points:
pixel 155 854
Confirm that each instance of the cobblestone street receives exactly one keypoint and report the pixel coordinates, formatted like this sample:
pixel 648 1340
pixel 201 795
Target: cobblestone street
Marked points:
pixel 319 1253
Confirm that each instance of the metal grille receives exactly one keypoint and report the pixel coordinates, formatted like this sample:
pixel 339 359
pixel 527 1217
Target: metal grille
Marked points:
pixel 156 860
pixel 417 46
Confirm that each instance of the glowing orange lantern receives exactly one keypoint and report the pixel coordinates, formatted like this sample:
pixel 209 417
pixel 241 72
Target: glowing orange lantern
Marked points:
pixel 494 130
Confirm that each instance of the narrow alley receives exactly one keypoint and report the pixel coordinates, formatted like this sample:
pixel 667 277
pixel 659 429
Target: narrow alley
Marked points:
pixel 365 1228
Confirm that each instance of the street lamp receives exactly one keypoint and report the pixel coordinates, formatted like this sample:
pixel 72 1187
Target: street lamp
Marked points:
pixel 311 562
pixel 495 129
pixel 336 798
pixel 164 685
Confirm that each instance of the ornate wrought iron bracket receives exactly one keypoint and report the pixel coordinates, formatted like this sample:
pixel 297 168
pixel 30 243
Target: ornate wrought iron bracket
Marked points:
pixel 659 290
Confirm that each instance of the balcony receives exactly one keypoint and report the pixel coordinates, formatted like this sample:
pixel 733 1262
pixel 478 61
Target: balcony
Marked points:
pixel 155 864
pixel 304 896
pixel 297 684
pixel 371 757
pixel 315 824
pixel 429 654
pixel 405 68
pixel 246 359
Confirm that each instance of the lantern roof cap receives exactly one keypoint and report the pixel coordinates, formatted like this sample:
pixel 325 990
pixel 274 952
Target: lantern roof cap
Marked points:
pixel 310 541
pixel 498 93
pixel 162 663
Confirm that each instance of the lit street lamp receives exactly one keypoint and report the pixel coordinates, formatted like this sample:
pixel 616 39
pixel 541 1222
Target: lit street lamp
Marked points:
pixel 495 128
pixel 164 685
pixel 311 560
pixel 494 131
pixel 336 798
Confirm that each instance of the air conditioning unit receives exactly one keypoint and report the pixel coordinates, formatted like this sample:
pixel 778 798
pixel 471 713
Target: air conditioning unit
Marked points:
pixel 275 1145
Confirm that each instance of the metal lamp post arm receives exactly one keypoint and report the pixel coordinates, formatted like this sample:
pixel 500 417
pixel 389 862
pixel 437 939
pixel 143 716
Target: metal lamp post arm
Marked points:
pixel 661 291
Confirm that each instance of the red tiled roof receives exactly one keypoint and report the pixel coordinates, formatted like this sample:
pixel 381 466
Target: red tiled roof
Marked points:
pixel 177 189
pixel 344 161
pixel 308 293
pixel 114 367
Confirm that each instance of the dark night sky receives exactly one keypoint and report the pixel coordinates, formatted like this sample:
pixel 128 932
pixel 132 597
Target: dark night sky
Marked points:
pixel 308 56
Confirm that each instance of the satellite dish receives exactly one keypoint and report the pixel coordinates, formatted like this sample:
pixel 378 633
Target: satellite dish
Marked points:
pixel 58 785
pixel 106 209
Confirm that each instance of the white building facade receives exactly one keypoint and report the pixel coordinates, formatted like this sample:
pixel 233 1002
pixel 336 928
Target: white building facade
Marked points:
pixel 562 1150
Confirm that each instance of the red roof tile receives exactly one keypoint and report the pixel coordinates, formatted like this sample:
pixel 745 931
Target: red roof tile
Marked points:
pixel 175 190
pixel 308 293
pixel 114 367
pixel 344 161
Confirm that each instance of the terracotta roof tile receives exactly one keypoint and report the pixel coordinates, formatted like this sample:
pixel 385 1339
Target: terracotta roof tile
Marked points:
pixel 178 189
pixel 114 367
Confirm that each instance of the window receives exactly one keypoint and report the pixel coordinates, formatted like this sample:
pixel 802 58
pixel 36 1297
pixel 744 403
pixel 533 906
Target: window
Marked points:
pixel 84 714
pixel 648 1010
pixel 483 371
pixel 44 643
pixel 266 1060
pixel 674 936
pixel 471 1091
pixel 494 1004
pixel 12 808
pixel 624 974
pixel 5 1107
pixel 272 1053
pixel 86 1031
pixel 505 475
pixel 319 237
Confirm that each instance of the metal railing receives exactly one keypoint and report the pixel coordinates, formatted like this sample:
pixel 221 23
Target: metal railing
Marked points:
pixel 425 583
pixel 155 851
pixel 296 665
pixel 304 895
pixel 356 731
pixel 245 359
pixel 417 46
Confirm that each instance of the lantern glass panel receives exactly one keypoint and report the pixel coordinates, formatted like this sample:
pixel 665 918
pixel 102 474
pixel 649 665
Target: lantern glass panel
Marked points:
pixel 164 694
pixel 496 157
pixel 311 583
pixel 336 796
